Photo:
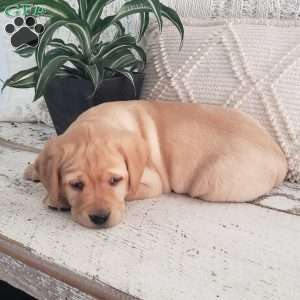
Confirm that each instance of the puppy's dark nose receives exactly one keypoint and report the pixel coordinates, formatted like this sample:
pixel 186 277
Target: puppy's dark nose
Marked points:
pixel 100 218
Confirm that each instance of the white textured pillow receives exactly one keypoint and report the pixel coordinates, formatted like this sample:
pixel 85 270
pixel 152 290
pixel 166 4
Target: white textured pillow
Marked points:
pixel 247 64
pixel 261 9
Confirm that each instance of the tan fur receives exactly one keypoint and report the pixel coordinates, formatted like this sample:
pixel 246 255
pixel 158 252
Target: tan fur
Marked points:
pixel 204 151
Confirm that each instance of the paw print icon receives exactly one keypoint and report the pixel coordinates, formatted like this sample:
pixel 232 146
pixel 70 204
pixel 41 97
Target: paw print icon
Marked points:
pixel 24 32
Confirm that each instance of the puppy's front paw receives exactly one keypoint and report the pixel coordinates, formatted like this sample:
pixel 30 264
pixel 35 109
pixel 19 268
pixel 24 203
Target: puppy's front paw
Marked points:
pixel 58 205
pixel 31 174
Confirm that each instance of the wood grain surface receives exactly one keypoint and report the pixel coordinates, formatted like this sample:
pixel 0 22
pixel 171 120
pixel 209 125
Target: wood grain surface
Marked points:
pixel 172 247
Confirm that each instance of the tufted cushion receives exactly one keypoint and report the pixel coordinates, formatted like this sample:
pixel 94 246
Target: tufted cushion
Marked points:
pixel 246 64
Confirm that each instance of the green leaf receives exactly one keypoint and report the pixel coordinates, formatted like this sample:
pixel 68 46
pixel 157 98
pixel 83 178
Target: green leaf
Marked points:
pixel 47 73
pixel 144 20
pixel 59 51
pixel 110 53
pixel 125 40
pixel 64 72
pixel 141 6
pixel 90 3
pixel 83 8
pixel 96 11
pixel 101 71
pixel 71 71
pixel 126 62
pixel 76 27
pixel 94 75
pixel 123 61
pixel 132 7
pixel 122 50
pixel 129 76
pixel 104 24
pixel 140 52
pixel 156 9
pixel 25 51
pixel 23 79
pixel 116 60
pixel 70 48
pixel 86 71
pixel 172 15
pixel 120 29
pixel 136 67
pixel 55 8
pixel 80 30
pixel 51 27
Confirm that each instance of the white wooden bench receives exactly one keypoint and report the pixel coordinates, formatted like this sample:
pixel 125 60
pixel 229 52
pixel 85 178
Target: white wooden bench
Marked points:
pixel 172 247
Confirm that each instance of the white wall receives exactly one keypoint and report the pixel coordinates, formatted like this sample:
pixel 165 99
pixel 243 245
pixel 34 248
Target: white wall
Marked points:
pixel 3 64
pixel 3 52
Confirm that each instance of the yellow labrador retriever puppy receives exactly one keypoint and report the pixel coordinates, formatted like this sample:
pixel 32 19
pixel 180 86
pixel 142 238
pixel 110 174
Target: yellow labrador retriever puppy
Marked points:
pixel 138 149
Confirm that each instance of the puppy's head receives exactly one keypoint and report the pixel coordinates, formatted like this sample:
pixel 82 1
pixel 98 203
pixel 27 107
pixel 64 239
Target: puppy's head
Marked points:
pixel 92 176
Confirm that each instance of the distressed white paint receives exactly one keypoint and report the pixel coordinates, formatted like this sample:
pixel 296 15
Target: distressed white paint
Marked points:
pixel 281 203
pixel 173 247
pixel 36 283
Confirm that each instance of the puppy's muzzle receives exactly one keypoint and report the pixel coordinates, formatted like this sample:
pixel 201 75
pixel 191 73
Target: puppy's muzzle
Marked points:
pixel 100 218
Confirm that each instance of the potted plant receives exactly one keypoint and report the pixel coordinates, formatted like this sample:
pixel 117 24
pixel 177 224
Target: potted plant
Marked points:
pixel 75 76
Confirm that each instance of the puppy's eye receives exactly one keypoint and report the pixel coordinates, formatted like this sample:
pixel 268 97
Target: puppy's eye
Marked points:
pixel 77 185
pixel 114 180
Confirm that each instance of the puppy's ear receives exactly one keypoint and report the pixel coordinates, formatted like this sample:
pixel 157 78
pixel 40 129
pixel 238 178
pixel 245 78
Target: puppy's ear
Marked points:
pixel 135 152
pixel 47 167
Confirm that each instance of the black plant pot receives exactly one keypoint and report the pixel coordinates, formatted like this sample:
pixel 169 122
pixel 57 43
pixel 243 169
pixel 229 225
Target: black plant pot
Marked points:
pixel 68 97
